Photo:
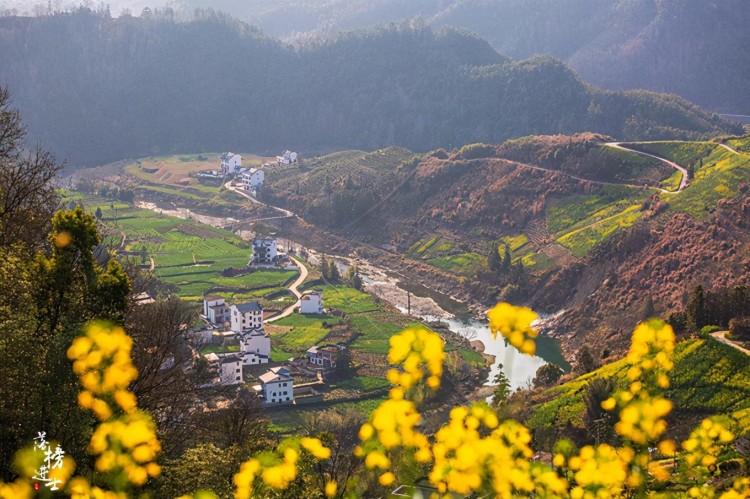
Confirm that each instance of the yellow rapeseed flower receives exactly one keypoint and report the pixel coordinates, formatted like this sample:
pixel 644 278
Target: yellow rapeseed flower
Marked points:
pixel 514 324
pixel 330 489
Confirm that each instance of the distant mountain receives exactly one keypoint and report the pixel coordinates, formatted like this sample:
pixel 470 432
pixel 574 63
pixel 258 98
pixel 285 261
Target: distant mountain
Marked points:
pixel 692 48
pixel 96 89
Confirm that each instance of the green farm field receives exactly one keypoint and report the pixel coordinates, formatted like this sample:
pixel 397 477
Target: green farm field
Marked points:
pixel 188 255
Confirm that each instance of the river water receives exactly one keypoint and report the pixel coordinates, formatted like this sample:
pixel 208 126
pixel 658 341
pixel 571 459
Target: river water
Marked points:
pixel 519 368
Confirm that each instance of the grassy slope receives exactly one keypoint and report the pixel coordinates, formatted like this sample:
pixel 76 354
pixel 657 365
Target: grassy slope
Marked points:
pixel 709 378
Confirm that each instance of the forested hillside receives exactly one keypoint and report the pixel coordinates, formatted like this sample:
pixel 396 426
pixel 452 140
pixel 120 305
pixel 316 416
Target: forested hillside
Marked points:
pixel 97 89
pixel 671 46
pixel 571 223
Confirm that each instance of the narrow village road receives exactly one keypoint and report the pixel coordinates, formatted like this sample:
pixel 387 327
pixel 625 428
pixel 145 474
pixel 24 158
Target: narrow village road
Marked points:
pixel 683 183
pixel 730 149
pixel 719 336
pixel 295 291
pixel 241 192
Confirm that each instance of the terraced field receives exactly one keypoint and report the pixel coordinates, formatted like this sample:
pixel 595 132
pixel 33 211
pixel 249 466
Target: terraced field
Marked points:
pixel 709 378
pixel 188 255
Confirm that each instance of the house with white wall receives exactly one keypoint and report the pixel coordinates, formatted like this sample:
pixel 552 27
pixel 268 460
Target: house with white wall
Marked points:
pixel 255 346
pixel 325 357
pixel 230 162
pixel 246 316
pixel 311 302
pixel 264 250
pixel 287 158
pixel 277 386
pixel 227 367
pixel 252 179
pixel 215 310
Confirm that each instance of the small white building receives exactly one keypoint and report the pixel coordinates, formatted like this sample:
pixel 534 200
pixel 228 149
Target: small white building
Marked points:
pixel 287 158
pixel 228 367
pixel 255 346
pixel 252 179
pixel 311 302
pixel 326 356
pixel 230 162
pixel 215 310
pixel 246 316
pixel 264 250
pixel 277 386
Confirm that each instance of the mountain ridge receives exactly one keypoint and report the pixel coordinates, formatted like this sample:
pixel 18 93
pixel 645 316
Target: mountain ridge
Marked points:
pixel 117 88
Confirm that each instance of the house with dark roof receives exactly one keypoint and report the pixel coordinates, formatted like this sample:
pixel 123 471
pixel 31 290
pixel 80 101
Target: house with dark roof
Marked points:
pixel 255 346
pixel 230 162
pixel 264 250
pixel 246 316
pixel 226 366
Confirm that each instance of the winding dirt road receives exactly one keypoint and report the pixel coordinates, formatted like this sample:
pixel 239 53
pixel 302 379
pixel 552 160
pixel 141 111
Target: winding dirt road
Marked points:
pixel 719 336
pixel 295 291
pixel 683 183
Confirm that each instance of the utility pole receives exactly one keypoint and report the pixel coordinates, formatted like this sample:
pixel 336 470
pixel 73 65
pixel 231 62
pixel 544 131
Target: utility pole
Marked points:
pixel 408 302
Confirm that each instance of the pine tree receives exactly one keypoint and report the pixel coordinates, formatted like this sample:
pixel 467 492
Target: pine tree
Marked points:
pixel 98 213
pixel 696 310
pixel 506 257
pixel 353 278
pixel 333 270
pixel 493 258
pixel 324 268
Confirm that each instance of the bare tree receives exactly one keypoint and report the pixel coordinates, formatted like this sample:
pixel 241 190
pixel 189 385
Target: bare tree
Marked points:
pixel 28 197
pixel 168 385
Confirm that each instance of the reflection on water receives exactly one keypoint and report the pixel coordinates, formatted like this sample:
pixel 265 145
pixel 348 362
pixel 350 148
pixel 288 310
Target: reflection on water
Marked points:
pixel 517 367
pixel 430 305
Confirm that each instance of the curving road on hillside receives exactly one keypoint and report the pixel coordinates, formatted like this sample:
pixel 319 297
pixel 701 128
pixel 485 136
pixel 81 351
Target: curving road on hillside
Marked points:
pixel 241 192
pixel 683 183
pixel 719 336
pixel 294 288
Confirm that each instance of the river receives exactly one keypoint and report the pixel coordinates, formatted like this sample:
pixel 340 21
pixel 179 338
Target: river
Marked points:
pixel 427 305
pixel 519 368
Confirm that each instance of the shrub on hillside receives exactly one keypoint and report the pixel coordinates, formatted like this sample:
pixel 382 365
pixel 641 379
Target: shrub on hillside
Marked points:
pixel 706 331
pixel 476 151
pixel 740 328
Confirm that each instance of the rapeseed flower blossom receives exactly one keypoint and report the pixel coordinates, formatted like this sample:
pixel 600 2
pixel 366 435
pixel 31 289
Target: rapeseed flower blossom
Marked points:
pixel 514 324
pixel 279 468
pixel 127 445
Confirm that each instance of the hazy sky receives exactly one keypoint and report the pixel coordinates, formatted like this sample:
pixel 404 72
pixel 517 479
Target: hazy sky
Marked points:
pixel 115 6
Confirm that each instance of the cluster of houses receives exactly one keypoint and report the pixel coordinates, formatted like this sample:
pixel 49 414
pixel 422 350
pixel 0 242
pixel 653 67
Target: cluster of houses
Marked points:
pixel 250 179
pixel 244 322
pixel 287 158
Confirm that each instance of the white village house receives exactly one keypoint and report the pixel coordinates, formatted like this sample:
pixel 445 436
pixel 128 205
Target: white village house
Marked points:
pixel 287 158
pixel 215 310
pixel 326 356
pixel 246 316
pixel 230 162
pixel 252 179
pixel 311 302
pixel 255 346
pixel 264 250
pixel 227 366
pixel 277 386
